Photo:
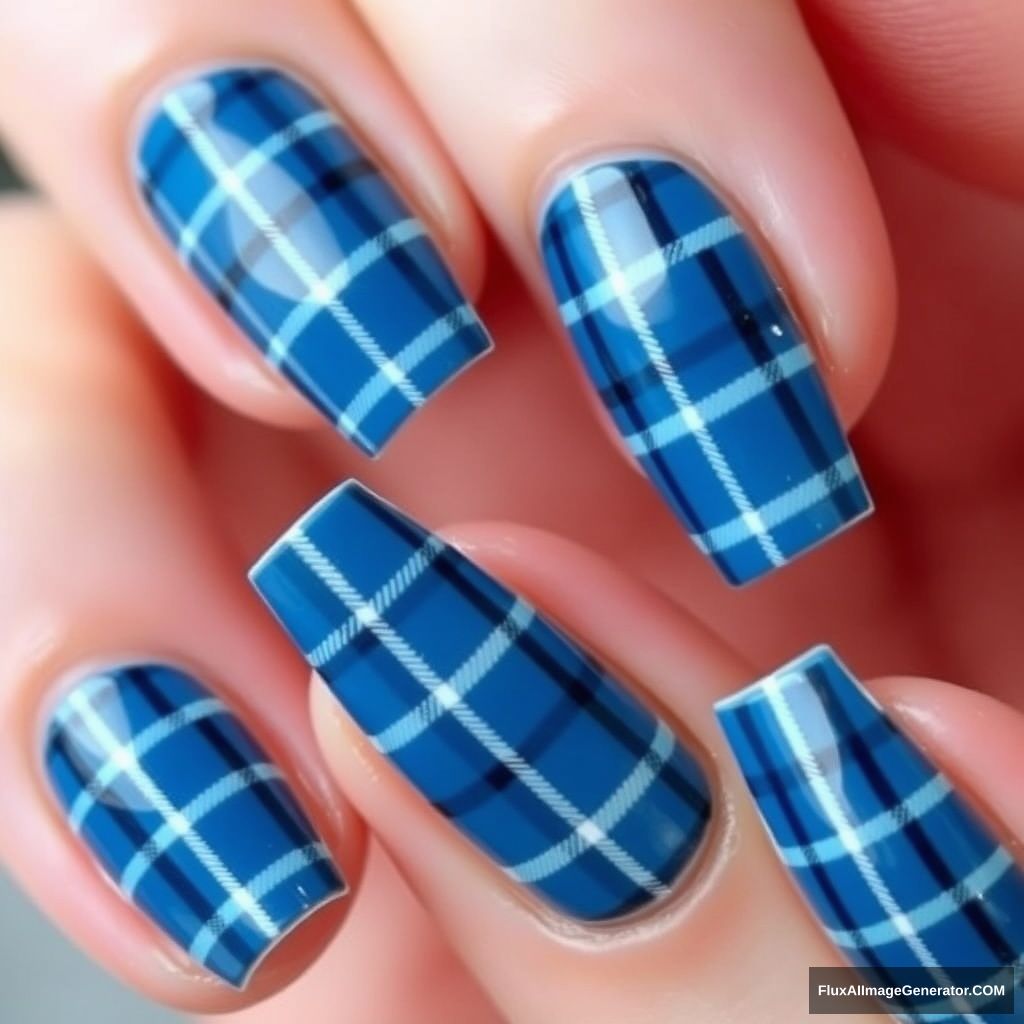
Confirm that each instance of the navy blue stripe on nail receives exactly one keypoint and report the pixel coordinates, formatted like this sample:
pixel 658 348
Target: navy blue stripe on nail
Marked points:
pixel 688 341
pixel 515 735
pixel 295 231
pixel 897 866
pixel 185 813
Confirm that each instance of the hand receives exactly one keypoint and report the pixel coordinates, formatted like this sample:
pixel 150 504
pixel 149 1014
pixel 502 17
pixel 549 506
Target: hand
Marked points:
pixel 134 501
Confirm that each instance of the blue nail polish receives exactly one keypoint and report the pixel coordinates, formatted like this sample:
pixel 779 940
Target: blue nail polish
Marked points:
pixel 186 815
pixel 703 368
pixel 897 867
pixel 504 725
pixel 271 203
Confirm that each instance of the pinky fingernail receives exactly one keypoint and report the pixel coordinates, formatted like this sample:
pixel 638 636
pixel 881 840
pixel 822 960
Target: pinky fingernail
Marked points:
pixel 186 814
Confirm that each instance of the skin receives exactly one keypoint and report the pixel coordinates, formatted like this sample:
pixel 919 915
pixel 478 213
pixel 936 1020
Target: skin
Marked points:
pixel 156 497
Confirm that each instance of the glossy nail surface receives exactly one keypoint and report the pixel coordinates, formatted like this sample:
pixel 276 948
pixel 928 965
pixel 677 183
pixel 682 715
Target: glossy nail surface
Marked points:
pixel 186 815
pixel 896 865
pixel 506 727
pixel 703 368
pixel 272 204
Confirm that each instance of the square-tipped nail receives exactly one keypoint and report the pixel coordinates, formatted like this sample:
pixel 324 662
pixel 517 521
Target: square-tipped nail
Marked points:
pixel 506 727
pixel 703 367
pixel 276 209
pixel 896 865
pixel 186 815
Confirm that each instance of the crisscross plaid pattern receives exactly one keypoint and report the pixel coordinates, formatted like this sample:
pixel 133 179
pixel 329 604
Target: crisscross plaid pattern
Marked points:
pixel 293 229
pixel 702 366
pixel 504 725
pixel 187 815
pixel 898 868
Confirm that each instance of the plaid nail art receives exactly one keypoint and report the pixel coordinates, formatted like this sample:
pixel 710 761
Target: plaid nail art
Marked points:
pixel 699 361
pixel 898 868
pixel 271 203
pixel 186 815
pixel 506 727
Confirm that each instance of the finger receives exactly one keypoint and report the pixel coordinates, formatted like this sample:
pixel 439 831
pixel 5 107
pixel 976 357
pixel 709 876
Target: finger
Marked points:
pixel 678 180
pixel 941 79
pixel 616 864
pixel 500 724
pixel 172 814
pixel 904 866
pixel 272 148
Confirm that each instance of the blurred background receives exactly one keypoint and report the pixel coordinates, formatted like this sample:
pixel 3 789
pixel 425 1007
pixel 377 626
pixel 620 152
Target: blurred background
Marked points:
pixel 43 978
pixel 8 179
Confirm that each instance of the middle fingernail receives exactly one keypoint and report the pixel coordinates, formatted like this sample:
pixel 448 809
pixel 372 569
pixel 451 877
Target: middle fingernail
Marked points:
pixel 282 216
pixel 539 756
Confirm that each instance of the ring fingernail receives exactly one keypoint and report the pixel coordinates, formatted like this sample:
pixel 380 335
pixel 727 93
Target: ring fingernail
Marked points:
pixel 701 364
pixel 186 815
pixel 276 209
pixel 536 754
pixel 894 862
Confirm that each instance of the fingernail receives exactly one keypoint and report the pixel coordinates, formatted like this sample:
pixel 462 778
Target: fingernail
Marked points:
pixel 701 364
pixel 273 205
pixel 186 814
pixel 895 864
pixel 538 755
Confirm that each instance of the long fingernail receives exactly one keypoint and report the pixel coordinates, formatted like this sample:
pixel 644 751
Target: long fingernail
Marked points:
pixel 539 756
pixel 186 815
pixel 703 367
pixel 280 214
pixel 898 868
